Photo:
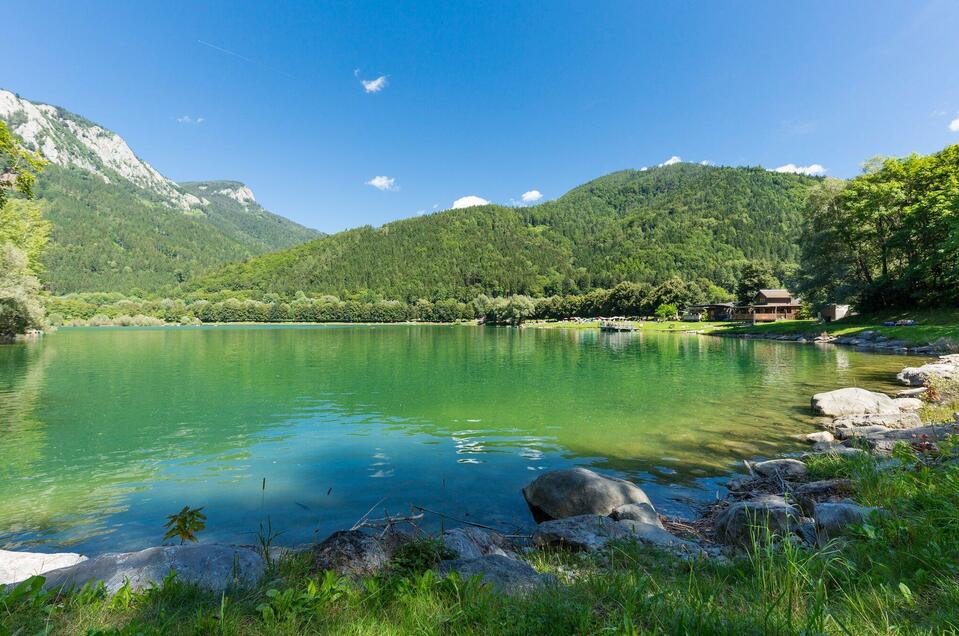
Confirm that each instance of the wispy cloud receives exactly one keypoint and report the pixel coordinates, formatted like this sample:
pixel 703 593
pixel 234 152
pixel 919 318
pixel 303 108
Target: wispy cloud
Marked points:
pixel 383 183
pixel 244 58
pixel 812 170
pixel 954 125
pixel 186 119
pixel 374 85
pixel 469 201
pixel 672 160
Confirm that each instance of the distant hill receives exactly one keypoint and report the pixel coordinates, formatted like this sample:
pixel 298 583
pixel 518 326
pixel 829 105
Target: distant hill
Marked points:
pixel 118 224
pixel 700 223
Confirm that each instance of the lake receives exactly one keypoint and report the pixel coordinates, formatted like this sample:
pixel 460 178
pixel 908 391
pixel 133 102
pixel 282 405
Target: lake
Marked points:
pixel 104 432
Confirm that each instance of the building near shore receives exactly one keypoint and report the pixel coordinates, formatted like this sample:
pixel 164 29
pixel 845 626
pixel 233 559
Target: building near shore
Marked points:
pixel 770 305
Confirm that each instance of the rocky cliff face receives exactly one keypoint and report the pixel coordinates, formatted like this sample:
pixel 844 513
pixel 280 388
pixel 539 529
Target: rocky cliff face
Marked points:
pixel 68 140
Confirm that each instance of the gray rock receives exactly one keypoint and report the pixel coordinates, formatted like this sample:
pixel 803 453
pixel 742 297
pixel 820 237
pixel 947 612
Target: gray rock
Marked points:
pixel 911 393
pixel 832 519
pixel 745 520
pixel 351 552
pixel 889 420
pixel 946 368
pixel 783 468
pixel 471 543
pixel 819 436
pixel 503 573
pixel 841 451
pixel 211 566
pixel 19 566
pixel 854 432
pixel 582 532
pixel 824 487
pixel 578 491
pixel 655 535
pixel 908 403
pixel 644 513
pixel 852 401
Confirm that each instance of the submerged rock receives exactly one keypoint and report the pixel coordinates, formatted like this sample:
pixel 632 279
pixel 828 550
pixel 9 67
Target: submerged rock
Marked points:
pixel 470 543
pixel 578 491
pixel 503 573
pixel 351 552
pixel 19 566
pixel 210 566
pixel 745 521
pixel 852 401
pixel 783 468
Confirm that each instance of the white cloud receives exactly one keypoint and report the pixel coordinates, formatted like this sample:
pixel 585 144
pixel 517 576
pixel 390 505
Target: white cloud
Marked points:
pixel 374 85
pixel 532 196
pixel 705 162
pixel 813 170
pixel 469 201
pixel 186 119
pixel 672 160
pixel 954 125
pixel 383 183
pixel 643 169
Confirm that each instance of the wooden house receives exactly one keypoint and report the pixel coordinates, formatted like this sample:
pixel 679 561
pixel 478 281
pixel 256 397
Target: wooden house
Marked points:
pixel 770 305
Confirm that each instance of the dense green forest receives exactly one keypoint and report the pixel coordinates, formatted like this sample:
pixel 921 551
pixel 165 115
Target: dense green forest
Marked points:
pixel 698 223
pixel 115 236
pixel 889 237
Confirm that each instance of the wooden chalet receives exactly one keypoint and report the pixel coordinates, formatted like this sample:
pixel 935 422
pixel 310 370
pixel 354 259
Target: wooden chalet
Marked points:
pixel 770 305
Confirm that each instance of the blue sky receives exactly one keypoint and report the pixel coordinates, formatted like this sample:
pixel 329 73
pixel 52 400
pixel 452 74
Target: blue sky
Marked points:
pixel 486 98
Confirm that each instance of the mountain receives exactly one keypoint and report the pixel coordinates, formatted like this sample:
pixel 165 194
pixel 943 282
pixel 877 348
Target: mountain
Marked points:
pixel 118 224
pixel 700 223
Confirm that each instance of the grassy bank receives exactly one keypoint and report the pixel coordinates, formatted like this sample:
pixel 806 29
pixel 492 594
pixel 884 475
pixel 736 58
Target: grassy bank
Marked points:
pixel 895 574
pixel 644 325
pixel 941 325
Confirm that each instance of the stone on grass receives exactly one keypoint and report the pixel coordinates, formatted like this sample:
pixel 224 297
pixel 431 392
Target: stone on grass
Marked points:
pixel 503 573
pixel 18 566
pixel 578 491
pixel 852 401
pixel 745 521
pixel 351 552
pixel 832 518
pixel 783 468
pixel 471 543
pixel 582 532
pixel 210 566
pixel 908 403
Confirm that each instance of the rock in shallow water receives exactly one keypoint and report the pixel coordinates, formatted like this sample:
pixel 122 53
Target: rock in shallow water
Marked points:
pixel 578 491
pixel 783 468
pixel 852 401
pixel 819 436
pixel 210 566
pixel 18 566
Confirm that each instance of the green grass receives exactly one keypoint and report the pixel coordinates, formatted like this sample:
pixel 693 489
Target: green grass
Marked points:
pixel 940 325
pixel 897 573
pixel 646 325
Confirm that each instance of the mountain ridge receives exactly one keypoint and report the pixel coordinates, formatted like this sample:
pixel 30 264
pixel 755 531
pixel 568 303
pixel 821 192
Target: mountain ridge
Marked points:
pixel 120 225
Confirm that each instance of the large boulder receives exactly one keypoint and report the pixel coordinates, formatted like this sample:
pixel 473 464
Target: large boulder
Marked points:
pixel 782 468
pixel 471 543
pixel 503 573
pixel 832 518
pixel 945 368
pixel 888 420
pixel 18 566
pixel 351 552
pixel 578 491
pixel 852 401
pixel 744 521
pixel 210 566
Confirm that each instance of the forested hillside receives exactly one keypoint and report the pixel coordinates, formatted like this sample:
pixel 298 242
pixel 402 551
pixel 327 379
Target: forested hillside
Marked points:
pixel 118 224
pixel 698 223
